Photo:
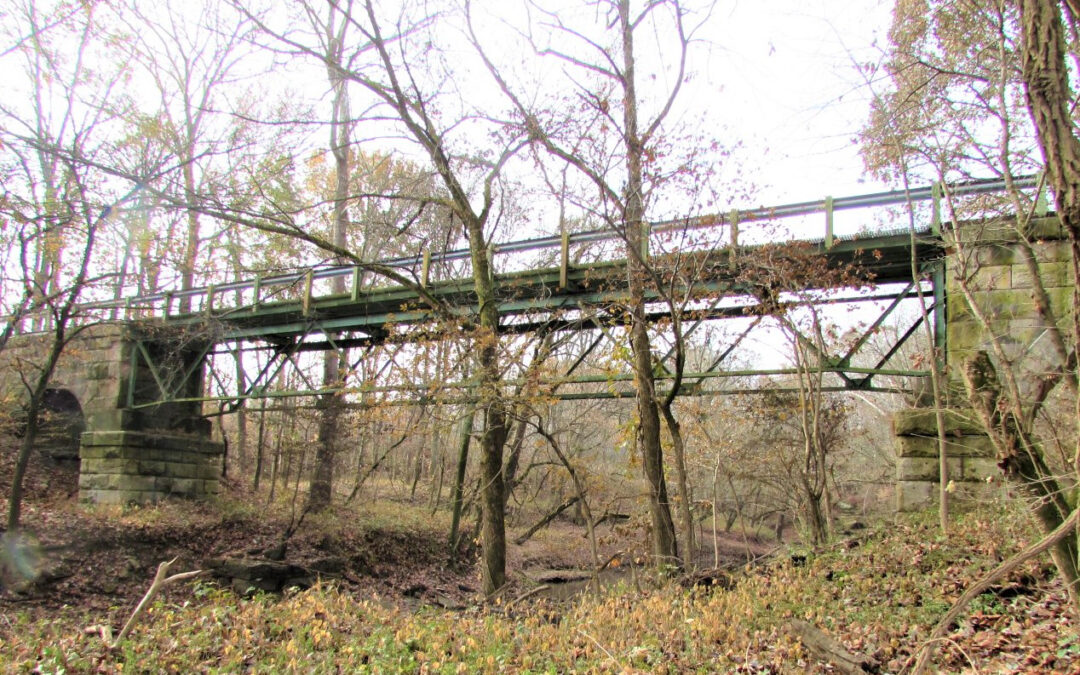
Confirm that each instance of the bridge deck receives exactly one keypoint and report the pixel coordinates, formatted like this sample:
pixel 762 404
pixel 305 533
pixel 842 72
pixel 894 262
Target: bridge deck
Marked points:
pixel 290 313
pixel 530 297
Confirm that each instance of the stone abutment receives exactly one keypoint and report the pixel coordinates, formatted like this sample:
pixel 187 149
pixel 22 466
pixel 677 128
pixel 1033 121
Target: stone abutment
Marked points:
pixel 99 410
pixel 990 294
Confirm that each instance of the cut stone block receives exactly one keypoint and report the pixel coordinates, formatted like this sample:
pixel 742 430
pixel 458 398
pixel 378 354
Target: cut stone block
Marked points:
pixel 923 422
pixel 955 446
pixel 912 495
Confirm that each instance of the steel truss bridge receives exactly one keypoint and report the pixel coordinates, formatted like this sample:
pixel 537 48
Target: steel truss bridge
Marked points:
pixel 568 284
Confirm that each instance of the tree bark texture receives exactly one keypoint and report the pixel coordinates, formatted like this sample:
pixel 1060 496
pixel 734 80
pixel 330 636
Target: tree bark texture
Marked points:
pixel 678 449
pixel 322 482
pixel 664 547
pixel 458 499
pixel 1020 458
pixel 1049 99
pixel 492 409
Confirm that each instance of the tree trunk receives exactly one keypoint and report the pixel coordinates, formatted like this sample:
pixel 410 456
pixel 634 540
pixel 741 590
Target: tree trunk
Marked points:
pixel 418 463
pixel 493 527
pixel 259 445
pixel 321 491
pixel 334 364
pixel 514 460
pixel 1048 99
pixel 464 436
pixel 678 449
pixel 242 419
pixel 491 405
pixel 664 546
pixel 37 395
pixel 815 519
pixel 438 475
pixel 1021 460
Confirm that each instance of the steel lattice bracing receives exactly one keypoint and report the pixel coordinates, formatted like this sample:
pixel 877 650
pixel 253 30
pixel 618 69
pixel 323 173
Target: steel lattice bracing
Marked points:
pixel 285 316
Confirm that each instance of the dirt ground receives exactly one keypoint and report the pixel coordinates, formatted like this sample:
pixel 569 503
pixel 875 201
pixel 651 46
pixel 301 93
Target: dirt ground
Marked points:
pixel 102 559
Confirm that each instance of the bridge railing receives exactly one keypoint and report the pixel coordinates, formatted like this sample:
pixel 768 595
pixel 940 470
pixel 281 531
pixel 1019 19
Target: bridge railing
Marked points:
pixel 305 286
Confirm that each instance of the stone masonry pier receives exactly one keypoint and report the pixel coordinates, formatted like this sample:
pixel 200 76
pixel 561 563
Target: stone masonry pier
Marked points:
pixel 130 449
pixel 121 467
pixel 988 254
pixel 969 457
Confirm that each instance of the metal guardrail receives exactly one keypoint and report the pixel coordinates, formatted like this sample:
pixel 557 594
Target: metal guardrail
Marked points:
pixel 564 241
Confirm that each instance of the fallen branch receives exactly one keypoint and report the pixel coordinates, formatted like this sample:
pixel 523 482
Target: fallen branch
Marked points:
pixel 928 648
pixel 828 650
pixel 614 556
pixel 545 520
pixel 160 581
pixel 525 596
pixel 613 517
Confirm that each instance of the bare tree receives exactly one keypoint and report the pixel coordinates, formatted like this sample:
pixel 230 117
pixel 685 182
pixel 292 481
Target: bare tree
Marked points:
pixel 60 206
pixel 1051 101
pixel 191 63
pixel 334 363
pixel 393 61
pixel 621 169
pixel 987 90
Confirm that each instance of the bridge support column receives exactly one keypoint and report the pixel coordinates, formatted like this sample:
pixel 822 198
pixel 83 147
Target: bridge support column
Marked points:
pixel 132 390
pixel 970 459
pixel 124 467
pixel 999 284
pixel 138 450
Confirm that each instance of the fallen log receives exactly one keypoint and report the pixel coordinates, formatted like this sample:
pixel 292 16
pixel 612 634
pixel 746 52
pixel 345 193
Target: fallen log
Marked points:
pixel 827 650
pixel 545 520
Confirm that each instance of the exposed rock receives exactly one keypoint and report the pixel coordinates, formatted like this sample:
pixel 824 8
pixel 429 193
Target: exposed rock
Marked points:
pixel 246 575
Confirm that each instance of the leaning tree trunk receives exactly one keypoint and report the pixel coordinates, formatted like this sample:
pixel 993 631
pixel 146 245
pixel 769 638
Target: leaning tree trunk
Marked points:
pixel 678 448
pixel 665 548
pixel 37 396
pixel 1021 459
pixel 458 498
pixel 1049 100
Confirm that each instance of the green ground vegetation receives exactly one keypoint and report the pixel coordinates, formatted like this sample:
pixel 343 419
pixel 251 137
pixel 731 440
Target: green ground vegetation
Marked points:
pixel 879 592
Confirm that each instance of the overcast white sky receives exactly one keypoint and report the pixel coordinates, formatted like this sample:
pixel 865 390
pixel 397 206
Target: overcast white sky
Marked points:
pixel 789 86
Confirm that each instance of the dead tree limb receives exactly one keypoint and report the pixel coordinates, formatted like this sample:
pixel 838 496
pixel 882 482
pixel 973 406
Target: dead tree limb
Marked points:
pixel 828 650
pixel 1067 528
pixel 160 581
pixel 545 520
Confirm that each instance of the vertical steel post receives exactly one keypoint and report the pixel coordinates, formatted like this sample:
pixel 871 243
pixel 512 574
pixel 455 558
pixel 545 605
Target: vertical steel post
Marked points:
pixel 256 288
pixel 133 369
pixel 733 221
pixel 828 223
pixel 425 268
pixel 941 315
pixel 935 214
pixel 564 259
pixel 305 303
pixel 357 275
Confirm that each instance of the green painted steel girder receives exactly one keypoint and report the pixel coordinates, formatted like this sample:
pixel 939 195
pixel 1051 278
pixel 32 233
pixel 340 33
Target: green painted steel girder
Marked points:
pixel 541 294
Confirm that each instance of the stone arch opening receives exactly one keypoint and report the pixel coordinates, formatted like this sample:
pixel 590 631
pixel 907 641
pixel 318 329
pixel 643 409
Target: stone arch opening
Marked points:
pixel 62 424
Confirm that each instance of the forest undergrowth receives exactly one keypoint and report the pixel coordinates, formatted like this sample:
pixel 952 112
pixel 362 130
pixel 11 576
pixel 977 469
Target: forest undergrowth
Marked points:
pixel 879 594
